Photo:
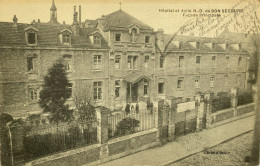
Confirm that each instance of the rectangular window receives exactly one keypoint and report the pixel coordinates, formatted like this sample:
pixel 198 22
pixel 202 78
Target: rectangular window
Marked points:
pixel 161 88
pixel 212 80
pixel 66 39
pixel 33 94
pixel 129 62
pixel 117 88
pixel 239 61
pixel 180 83
pixel 70 88
pixel 161 61
pixel 147 39
pixel 227 61
pixel 238 79
pixel 97 87
pixel 67 64
pixel 213 62
pixel 31 38
pixel 118 37
pixel 97 40
pixel 197 81
pixel 145 87
pixel 135 62
pixel 30 63
pixel 146 61
pixel 198 61
pixel 117 61
pixel 225 80
pixel 97 61
pixel 181 61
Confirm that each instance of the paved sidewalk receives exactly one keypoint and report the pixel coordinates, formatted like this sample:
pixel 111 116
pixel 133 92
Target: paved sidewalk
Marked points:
pixel 186 145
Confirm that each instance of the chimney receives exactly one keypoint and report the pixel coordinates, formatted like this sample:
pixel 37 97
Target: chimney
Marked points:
pixel 64 23
pixel 33 22
pixel 160 32
pixel 80 15
pixel 39 20
pixel 75 15
pixel 15 21
pixel 75 25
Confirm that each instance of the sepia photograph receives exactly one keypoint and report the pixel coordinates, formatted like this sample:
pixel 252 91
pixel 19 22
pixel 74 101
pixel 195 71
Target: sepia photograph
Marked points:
pixel 129 83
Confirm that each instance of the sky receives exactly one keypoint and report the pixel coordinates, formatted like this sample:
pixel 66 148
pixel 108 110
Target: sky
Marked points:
pixel 145 10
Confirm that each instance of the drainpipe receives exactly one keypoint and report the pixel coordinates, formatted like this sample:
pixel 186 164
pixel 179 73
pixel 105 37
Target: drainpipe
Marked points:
pixel 11 144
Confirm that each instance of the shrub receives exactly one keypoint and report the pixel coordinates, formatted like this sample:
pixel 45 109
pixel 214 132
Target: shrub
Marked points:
pixel 126 126
pixel 244 97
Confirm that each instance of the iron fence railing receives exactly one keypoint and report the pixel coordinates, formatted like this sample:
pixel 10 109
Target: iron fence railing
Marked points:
pixel 123 124
pixel 63 137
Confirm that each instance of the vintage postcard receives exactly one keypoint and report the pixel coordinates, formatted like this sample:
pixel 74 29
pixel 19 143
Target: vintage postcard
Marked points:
pixel 129 82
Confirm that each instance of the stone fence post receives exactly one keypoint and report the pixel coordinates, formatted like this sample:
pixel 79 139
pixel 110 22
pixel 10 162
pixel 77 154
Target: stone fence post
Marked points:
pixel 102 131
pixel 208 105
pixel 172 115
pixel 158 119
pixel 199 106
pixel 233 100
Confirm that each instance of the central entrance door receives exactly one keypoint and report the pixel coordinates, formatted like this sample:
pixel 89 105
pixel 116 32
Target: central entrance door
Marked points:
pixel 132 92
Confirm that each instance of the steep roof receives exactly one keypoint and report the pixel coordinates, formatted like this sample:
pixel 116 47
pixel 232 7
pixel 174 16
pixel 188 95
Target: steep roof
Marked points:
pixel 121 19
pixel 187 40
pixel 47 35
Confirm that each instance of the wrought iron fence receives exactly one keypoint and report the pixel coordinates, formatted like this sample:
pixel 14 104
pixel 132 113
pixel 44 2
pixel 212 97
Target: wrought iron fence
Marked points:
pixel 64 137
pixel 221 103
pixel 123 124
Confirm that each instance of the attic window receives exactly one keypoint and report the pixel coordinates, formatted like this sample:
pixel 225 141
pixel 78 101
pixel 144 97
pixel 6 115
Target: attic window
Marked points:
pixel 118 37
pixel 180 44
pixel 213 45
pixel 66 39
pixel 227 46
pixel 31 38
pixel 240 46
pixel 197 45
pixel 147 39
pixel 97 40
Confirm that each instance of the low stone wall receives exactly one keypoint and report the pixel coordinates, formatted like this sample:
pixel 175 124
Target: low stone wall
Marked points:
pixel 231 114
pixel 222 115
pixel 243 109
pixel 118 147
pixel 73 157
pixel 131 142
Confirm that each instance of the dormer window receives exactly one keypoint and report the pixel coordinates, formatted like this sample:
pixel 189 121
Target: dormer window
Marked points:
pixel 97 40
pixel 65 37
pixel 31 35
pixel 180 44
pixel 197 45
pixel 31 38
pixel 147 39
pixel 213 45
pixel 240 46
pixel 118 37
pixel 227 46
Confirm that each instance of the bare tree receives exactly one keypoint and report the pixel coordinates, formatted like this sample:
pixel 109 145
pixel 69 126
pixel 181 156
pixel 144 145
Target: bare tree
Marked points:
pixel 84 101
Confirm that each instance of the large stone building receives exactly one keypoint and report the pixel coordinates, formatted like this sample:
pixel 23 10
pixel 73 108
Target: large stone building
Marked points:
pixel 118 56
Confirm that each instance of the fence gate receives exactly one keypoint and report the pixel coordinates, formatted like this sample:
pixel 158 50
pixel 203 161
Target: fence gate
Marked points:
pixel 185 122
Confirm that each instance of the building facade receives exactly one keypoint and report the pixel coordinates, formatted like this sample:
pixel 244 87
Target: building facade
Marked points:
pixel 116 55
